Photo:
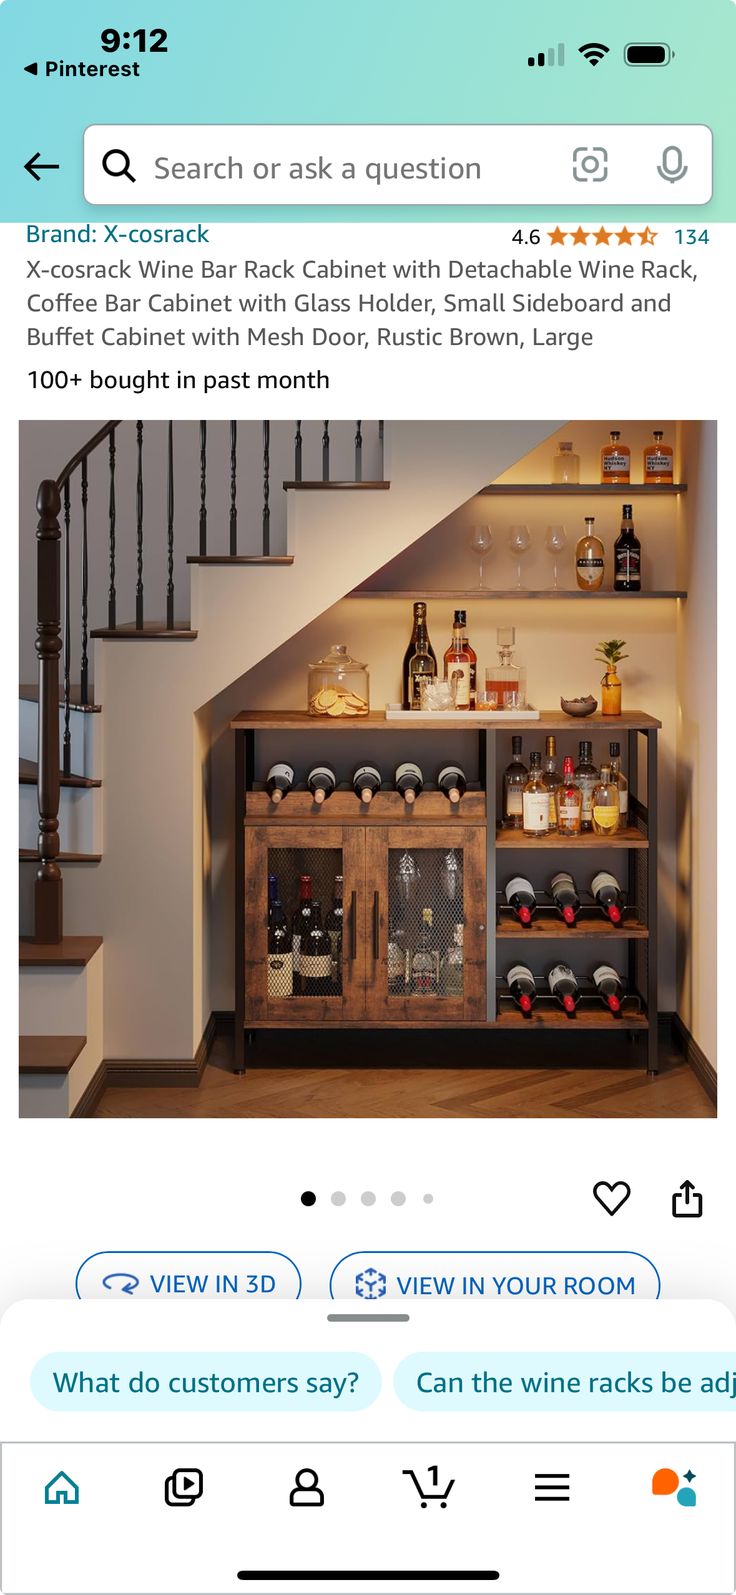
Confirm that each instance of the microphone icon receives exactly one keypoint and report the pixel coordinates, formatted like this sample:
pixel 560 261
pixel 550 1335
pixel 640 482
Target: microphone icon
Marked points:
pixel 672 168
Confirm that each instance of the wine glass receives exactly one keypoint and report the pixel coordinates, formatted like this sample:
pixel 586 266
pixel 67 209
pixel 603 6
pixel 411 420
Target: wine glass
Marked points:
pixel 555 543
pixel 519 542
pixel 481 543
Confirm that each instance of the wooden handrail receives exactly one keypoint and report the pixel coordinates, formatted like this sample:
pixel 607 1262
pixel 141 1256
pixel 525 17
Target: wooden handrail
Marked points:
pixel 85 451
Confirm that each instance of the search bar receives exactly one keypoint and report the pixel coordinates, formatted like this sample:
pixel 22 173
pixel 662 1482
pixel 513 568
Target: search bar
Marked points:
pixel 550 164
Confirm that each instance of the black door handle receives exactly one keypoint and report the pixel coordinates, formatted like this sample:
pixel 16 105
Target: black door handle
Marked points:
pixel 376 916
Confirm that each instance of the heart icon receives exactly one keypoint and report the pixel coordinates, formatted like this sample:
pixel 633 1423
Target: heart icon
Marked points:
pixel 612 1197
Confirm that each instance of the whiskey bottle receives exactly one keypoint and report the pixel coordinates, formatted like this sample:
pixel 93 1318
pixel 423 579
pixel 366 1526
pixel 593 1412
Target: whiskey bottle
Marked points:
pixel 425 962
pixel 409 781
pixel 658 461
pixel 608 895
pixel 321 782
pixel 458 662
pixel 522 986
pixel 514 780
pixel 300 925
pixel 333 926
pixel 586 777
pixel 280 956
pixel 420 661
pixel 569 802
pixel 535 800
pixel 521 896
pixel 610 987
pixel 279 780
pixel 366 782
pixel 551 779
pixel 590 558
pixel 315 959
pixel 605 811
pixel 473 667
pixel 565 895
pixel 564 986
pixel 452 782
pixel 452 965
pixel 615 460
pixel 614 749
pixel 627 556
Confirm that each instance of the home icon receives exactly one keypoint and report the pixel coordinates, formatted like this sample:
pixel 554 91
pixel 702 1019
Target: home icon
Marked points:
pixel 61 1491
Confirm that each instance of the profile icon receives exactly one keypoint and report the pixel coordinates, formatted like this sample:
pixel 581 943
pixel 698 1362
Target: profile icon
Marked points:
pixel 306 1491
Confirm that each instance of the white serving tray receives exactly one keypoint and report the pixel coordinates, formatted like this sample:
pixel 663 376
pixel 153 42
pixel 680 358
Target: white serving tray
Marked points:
pixel 456 717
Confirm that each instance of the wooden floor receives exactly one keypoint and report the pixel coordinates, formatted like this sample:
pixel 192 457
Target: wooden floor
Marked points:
pixel 319 1086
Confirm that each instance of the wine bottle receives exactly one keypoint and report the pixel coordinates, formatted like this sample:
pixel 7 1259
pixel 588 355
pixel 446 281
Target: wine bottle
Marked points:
pixel 333 926
pixel 273 893
pixel 280 955
pixel 569 802
pixel 608 895
pixel 300 924
pixel 521 897
pixel 514 780
pixel 452 965
pixel 315 959
pixel 426 960
pixel 609 986
pixel 420 660
pixel 535 800
pixel 452 782
pixel 552 779
pixel 366 781
pixel 279 780
pixel 397 960
pixel 564 986
pixel 564 892
pixel 321 782
pixel 614 749
pixel 409 781
pixel 458 663
pixel 522 986
pixel 586 777
pixel 627 556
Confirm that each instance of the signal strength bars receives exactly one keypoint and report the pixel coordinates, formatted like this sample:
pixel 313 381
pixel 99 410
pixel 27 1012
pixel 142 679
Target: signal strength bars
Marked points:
pixel 554 56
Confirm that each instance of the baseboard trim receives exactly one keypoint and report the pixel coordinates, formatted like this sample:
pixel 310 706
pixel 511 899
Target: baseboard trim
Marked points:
pixel 701 1066
pixel 164 1071
pixel 92 1093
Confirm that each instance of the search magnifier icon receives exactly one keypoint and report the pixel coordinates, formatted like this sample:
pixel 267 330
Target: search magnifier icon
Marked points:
pixel 117 164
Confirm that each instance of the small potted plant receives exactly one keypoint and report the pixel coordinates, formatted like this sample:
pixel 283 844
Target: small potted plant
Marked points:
pixel 610 654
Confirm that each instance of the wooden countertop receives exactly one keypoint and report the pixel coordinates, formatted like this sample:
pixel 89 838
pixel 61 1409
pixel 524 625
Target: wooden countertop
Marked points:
pixel 549 720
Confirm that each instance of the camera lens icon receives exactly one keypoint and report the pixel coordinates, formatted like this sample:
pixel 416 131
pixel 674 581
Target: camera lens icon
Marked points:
pixel 590 163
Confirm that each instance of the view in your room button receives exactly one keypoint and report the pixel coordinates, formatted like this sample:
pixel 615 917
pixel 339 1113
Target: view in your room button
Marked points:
pixel 495 1276
pixel 223 1276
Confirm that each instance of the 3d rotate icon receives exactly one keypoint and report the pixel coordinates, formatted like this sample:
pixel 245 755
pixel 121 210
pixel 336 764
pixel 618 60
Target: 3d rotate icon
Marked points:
pixel 61 1491
pixel 370 1284
pixel 666 1482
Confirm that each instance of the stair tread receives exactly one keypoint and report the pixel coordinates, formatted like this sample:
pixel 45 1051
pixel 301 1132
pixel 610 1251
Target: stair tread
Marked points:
pixel 152 631
pixel 70 953
pixel 29 855
pixel 28 693
pixel 240 559
pixel 49 1054
pixel 329 487
pixel 28 776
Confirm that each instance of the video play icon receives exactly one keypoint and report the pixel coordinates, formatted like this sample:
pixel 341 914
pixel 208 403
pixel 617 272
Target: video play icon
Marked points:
pixel 183 1487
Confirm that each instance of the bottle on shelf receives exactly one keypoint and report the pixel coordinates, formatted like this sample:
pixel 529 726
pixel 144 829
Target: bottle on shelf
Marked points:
pixel 521 896
pixel 273 895
pixel 409 781
pixel 610 987
pixel 366 782
pixel 279 781
pixel 551 779
pixel 505 677
pixel 473 668
pixel 565 895
pixel 452 965
pixel 565 464
pixel 515 777
pixel 535 800
pixel 398 962
pixel 280 955
pixel 450 876
pixel 615 460
pixel 564 986
pixel 426 960
pixel 300 925
pixel 590 558
pixel 627 555
pixel 321 782
pixel 522 987
pixel 569 801
pixel 608 895
pixel 420 660
pixel 614 749
pixel 658 461
pixel 586 778
pixel 334 926
pixel 451 780
pixel 315 959
pixel 605 811
pixel 458 662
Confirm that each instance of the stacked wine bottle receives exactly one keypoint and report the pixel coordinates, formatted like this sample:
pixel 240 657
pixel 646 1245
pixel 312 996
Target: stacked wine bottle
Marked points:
pixel 408 780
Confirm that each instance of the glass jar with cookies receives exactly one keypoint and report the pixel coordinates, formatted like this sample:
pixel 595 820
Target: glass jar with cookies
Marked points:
pixel 338 686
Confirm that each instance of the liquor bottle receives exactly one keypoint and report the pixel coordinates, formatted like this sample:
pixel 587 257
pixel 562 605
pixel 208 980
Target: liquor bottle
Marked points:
pixel 420 660
pixel 409 781
pixel 505 677
pixel 515 777
pixel 535 800
pixel 627 556
pixel 565 894
pixel 452 782
pixel 279 780
pixel 366 782
pixel 566 464
pixel 614 749
pixel 315 959
pixel 605 811
pixel 397 960
pixel 333 926
pixel 273 894
pixel 300 925
pixel 425 962
pixel 280 955
pixel 610 987
pixel 586 777
pixel 520 896
pixel 564 986
pixel 473 668
pixel 658 461
pixel 615 460
pixel 608 895
pixel 452 965
pixel 458 662
pixel 551 779
pixel 590 558
pixel 450 877
pixel 321 782
pixel 569 802
pixel 522 986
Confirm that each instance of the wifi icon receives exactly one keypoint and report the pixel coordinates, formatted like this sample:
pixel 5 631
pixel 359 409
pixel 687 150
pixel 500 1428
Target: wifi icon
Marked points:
pixel 594 52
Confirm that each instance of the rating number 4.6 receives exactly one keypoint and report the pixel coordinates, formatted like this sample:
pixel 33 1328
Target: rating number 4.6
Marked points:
pixel 690 235
pixel 520 237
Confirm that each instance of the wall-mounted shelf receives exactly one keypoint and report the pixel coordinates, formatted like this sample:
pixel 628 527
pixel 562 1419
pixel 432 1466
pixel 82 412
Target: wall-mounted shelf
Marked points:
pixel 584 489
pixel 549 720
pixel 516 593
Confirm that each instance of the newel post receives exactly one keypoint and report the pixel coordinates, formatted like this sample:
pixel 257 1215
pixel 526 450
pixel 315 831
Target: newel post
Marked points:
pixel 49 885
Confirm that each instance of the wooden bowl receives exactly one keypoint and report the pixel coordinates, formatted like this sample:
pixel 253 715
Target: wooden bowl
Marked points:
pixel 578 708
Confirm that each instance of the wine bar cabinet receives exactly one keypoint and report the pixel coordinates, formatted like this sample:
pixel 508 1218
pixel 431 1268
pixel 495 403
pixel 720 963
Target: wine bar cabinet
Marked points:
pixel 425 936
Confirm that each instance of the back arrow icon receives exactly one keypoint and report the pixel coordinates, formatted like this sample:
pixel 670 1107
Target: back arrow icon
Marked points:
pixel 132 1282
pixel 36 165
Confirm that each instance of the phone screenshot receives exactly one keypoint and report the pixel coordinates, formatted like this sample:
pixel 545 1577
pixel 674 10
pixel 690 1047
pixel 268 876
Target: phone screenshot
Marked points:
pixel 367 1169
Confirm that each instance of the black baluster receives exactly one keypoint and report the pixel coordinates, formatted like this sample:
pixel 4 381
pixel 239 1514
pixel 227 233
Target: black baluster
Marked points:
pixel 84 665
pixel 112 516
pixel 380 452
pixel 67 755
pixel 326 453
pixel 359 451
pixel 139 528
pixel 203 487
pixel 170 529
pixel 233 487
pixel 266 487
pixel 298 453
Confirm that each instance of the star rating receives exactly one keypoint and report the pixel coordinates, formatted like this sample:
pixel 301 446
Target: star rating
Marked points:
pixel 647 237
pixel 624 237
pixel 579 237
pixel 602 237
pixel 557 237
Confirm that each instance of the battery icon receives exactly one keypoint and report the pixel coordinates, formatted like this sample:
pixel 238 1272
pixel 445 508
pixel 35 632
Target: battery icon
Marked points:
pixel 648 54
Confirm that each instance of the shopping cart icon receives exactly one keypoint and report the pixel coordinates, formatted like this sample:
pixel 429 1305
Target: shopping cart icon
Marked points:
pixel 436 1494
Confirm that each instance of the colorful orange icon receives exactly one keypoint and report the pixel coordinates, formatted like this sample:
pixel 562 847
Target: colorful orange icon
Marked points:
pixel 666 1482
